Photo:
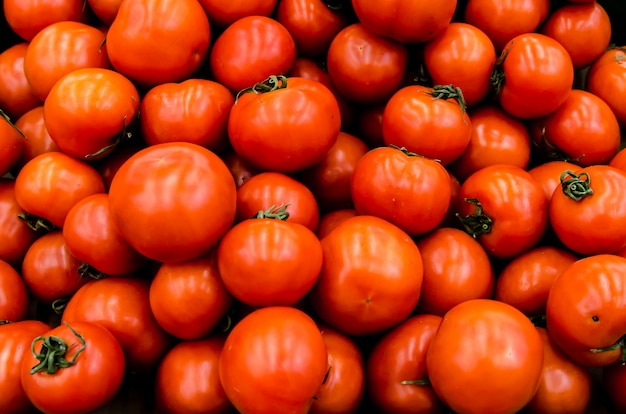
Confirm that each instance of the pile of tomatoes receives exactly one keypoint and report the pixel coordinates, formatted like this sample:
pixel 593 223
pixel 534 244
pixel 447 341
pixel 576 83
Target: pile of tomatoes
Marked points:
pixel 292 206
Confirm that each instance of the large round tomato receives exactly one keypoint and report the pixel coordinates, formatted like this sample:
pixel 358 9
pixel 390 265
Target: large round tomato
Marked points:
pixel 15 232
pixel 13 295
pixel 16 96
pixel 606 79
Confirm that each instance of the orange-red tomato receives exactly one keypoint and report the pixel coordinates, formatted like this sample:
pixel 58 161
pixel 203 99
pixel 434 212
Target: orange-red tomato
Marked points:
pixel 13 295
pixel 29 17
pixel 331 219
pixel 606 79
pixel 38 140
pixel 11 143
pixel 105 10
pixel 548 175
pixel 16 95
pixel 224 13
pixel 17 236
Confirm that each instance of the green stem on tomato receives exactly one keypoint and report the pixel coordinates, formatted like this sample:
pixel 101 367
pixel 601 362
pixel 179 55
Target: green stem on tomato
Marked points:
pixel 498 77
pixel 58 306
pixel 87 270
pixel 270 84
pixel 274 212
pixel 477 223
pixel 424 381
pixel 36 223
pixel 8 119
pixel 450 92
pixel 617 345
pixel 51 356
pixel 124 135
pixel 576 187
pixel 4 322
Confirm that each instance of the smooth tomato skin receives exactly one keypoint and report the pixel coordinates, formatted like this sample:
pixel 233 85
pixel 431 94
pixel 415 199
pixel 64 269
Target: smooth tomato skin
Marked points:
pixel 585 306
pixel 189 299
pixel 16 339
pixel 456 269
pixel 525 281
pixel 102 357
pixel 27 18
pixel 105 10
pixel 136 37
pixel 606 79
pixel 344 386
pixel 365 67
pixel 613 382
pixel 249 51
pixel 38 140
pixel 159 207
pixel 619 160
pixel 223 14
pixel 16 95
pixel 11 144
pixel 274 360
pixel 331 219
pixel 565 386
pixel 411 192
pixel 485 347
pixel 548 175
pixel 122 305
pixel 59 49
pixel 400 355
pixel 13 294
pixel 371 276
pixel 16 233
pixel 195 110
pixel 305 113
pixel 187 379
pixel 538 76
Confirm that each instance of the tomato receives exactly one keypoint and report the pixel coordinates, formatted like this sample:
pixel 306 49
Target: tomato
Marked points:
pixel 534 75
pixel 584 312
pixel 59 49
pixel 11 143
pixel 189 299
pixel 331 219
pixel 456 269
pixel 15 233
pixel 588 212
pixel 525 281
pixel 268 260
pixel 50 184
pixel 548 175
pixel 504 208
pixel 195 110
pixel 13 295
pixel 408 190
pixel 485 357
pixel 606 79
pixel 63 361
pixel 300 111
pixel 159 199
pixel 187 379
pixel 136 37
pixel 565 386
pixel 396 368
pixel 249 51
pixel 407 22
pixel 16 95
pixel 105 10
pixel 344 383
pixel 366 67
pixel 274 360
pixel 619 160
pixel 370 124
pixel 37 140
pixel 497 138
pixel 584 29
pixel 371 276
pixel 613 382
pixel 29 17
pixel 224 13
pixel 122 305
pixel 267 189
pixel 107 167
pixel 461 42
pixel 240 169
pixel 413 115
pixel 16 339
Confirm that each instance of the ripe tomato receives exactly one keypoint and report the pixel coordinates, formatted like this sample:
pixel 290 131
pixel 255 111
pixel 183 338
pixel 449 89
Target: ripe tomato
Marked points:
pixel 408 190
pixel 107 167
pixel 29 17
pixel 407 22
pixel 224 13
pixel 585 310
pixel 16 339
pixel 189 299
pixel 370 124
pixel 240 169
pixel 366 67
pixel 15 233
pixel 613 382
pixel 136 37
pixel 105 10
pixel 396 368
pixel 16 96
pixel 64 359
pixel 485 357
pixel 274 360
pixel 159 199
pixel 606 79
pixel 413 115
pixel 13 295
pixel 300 111
pixel 548 175
pixel 456 269
pixel 371 276
pixel 195 110
pixel 37 140
pixel 249 51
pixel 534 75
pixel 331 219
pixel 588 212
pixel 11 143
pixel 59 49
pixel 619 160
pixel 187 379
pixel 504 208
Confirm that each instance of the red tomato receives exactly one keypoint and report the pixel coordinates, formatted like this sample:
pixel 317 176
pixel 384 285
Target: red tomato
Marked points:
pixel 485 357
pixel 370 124
pixel 548 175
pixel 187 379
pixel 13 295
pixel 189 299
pixel 16 95
pixel 397 381
pixel 224 13
pixel 331 219
pixel 105 10
pixel 300 111
pixel 606 79
pixel 585 310
pixel 137 35
pixel 159 199
pixel 37 140
pixel 274 361
pixel 619 160
pixel 16 235
pixel 63 361
pixel 534 75
pixel 28 17
pixel 413 115
pixel 107 167
pixel 366 67
pixel 11 143
pixel 240 169
pixel 16 339
pixel 613 382
pixel 371 276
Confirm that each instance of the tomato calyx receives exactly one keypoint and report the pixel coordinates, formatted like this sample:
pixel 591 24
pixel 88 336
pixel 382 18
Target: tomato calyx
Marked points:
pixel 87 270
pixel 477 223
pixel 617 345
pixel 335 5
pixel 551 151
pixel 51 357
pixel 450 91
pixel 8 119
pixel 4 322
pixel 58 305
pixel 271 84
pixel 124 135
pixel 425 382
pixel 274 212
pixel 497 78
pixel 576 187
pixel 539 321
pixel 36 223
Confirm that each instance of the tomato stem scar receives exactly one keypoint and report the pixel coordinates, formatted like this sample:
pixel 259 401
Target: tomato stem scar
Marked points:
pixel 52 354
pixel 576 187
